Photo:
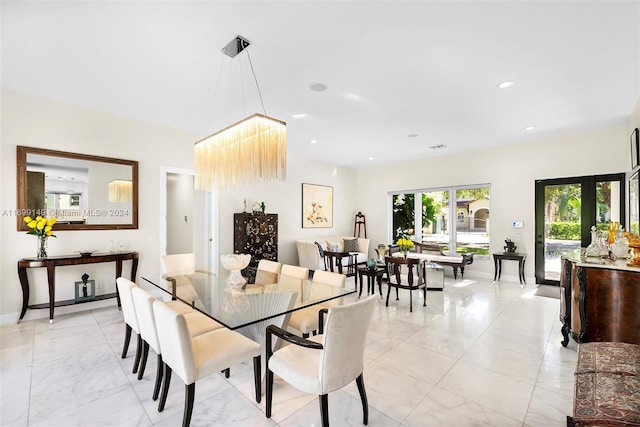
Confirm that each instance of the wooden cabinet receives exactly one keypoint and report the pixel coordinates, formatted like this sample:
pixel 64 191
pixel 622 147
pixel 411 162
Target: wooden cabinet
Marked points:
pixel 255 234
pixel 600 302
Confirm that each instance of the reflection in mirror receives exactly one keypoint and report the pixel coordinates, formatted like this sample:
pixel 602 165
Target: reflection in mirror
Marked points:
pixel 81 191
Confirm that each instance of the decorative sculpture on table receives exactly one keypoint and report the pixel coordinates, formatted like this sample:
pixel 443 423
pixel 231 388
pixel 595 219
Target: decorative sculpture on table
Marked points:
pixel 235 298
pixel 85 290
pixel 382 252
pixel 511 247
pixel 598 246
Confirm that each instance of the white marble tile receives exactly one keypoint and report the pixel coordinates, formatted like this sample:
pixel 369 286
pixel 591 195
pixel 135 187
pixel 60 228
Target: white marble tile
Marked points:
pixel 417 362
pixel 441 408
pixel 548 409
pixel 14 408
pixel 492 351
pixel 114 409
pixel 344 410
pixel 499 392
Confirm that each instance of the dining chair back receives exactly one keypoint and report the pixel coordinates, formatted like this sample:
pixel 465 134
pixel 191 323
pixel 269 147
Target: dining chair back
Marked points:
pixel 268 272
pixel 178 267
pixel 306 319
pixel 292 279
pixel 326 363
pixel 124 287
pixel 197 324
pixel 194 358
pixel 405 273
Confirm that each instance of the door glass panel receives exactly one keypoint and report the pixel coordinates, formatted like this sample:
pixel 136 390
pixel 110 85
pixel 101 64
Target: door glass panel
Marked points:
pixel 403 215
pixel 607 204
pixel 562 229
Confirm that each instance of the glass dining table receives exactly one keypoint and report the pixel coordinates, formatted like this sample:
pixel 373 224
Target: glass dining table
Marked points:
pixel 248 309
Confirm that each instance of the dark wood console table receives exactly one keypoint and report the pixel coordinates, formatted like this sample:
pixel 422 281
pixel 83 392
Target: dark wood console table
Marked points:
pixel 57 261
pixel 497 264
pixel 330 257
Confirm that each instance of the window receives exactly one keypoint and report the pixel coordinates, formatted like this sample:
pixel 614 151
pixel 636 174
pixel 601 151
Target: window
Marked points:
pixel 468 232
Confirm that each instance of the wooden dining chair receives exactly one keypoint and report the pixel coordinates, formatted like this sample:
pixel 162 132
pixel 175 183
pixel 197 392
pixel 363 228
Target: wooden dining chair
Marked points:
pixel 194 358
pixel 327 362
pixel 405 273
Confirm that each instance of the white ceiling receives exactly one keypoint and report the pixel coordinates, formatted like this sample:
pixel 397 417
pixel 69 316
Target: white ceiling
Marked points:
pixel 392 68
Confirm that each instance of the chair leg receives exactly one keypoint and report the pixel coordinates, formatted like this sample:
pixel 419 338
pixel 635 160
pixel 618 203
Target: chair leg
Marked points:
pixel 159 370
pixel 143 362
pixel 388 293
pixel 410 300
pixel 397 296
pixel 269 391
pixel 257 377
pixel 424 290
pixel 127 338
pixel 324 410
pixel 189 395
pixel 226 372
pixel 305 335
pixel 136 362
pixel 363 397
pixel 165 387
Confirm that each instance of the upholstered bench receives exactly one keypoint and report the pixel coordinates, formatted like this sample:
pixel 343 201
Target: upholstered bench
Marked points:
pixel 607 388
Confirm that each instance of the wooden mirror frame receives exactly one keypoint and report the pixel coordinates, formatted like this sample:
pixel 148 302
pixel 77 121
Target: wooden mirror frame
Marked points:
pixel 21 206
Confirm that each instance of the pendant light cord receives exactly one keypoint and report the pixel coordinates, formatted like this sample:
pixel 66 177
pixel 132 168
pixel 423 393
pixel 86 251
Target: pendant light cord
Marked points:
pixel 257 85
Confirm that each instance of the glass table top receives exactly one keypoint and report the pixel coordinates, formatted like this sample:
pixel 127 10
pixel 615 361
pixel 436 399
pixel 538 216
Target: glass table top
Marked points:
pixel 238 306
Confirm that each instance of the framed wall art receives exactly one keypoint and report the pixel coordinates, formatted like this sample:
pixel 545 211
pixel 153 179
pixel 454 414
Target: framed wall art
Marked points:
pixel 635 149
pixel 317 206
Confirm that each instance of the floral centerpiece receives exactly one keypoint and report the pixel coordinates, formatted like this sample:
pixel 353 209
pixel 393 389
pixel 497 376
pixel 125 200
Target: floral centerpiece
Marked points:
pixel 405 245
pixel 43 228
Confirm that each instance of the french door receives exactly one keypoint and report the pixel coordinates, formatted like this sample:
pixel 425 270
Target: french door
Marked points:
pixel 566 209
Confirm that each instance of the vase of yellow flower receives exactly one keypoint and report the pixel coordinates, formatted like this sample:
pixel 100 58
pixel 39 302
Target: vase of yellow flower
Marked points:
pixel 405 245
pixel 42 228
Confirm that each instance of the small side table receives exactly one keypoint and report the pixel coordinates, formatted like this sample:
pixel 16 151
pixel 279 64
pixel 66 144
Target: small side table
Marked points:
pixel 497 263
pixel 434 275
pixel 338 257
pixel 372 275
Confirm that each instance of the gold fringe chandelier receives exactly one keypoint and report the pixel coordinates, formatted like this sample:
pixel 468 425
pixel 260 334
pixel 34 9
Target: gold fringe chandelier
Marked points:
pixel 252 150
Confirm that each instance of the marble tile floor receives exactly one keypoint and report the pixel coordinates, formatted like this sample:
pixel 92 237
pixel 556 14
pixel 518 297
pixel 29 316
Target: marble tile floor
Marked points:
pixel 479 354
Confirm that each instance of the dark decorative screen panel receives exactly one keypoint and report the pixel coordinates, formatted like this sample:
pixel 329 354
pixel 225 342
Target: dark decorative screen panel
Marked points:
pixel 255 234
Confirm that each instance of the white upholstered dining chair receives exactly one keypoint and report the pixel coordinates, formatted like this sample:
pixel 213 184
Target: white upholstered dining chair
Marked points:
pixel 292 279
pixel 176 269
pixel 327 362
pixel 197 323
pixel 268 272
pixel 194 358
pixel 306 319
pixel 124 287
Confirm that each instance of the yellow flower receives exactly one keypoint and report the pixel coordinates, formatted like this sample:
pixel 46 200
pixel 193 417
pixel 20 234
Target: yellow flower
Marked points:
pixel 32 224
pixel 51 221
pixel 47 230
pixel 38 218
pixel 27 219
pixel 49 233
pixel 41 224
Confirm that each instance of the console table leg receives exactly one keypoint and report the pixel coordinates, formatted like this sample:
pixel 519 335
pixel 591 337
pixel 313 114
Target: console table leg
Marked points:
pixel 51 278
pixel 24 283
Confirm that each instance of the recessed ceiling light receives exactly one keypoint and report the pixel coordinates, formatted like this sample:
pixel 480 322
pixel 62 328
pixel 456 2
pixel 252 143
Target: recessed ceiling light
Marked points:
pixel 370 158
pixel 298 116
pixel 438 147
pixel 505 85
pixel 318 87
pixel 528 128
pixel 313 141
pixel 412 135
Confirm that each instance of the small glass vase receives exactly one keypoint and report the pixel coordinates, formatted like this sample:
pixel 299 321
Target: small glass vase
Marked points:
pixel 41 250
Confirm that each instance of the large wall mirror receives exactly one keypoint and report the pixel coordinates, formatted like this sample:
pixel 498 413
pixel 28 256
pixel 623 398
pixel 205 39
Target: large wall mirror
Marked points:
pixel 83 192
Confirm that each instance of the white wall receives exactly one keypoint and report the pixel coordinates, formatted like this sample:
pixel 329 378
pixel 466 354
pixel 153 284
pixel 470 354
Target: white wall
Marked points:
pixel 37 122
pixel 511 171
